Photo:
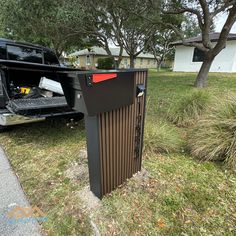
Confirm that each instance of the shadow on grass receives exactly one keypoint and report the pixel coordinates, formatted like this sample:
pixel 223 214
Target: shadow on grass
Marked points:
pixel 46 133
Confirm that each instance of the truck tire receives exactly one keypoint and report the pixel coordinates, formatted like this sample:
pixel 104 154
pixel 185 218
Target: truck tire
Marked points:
pixel 78 117
pixel 2 128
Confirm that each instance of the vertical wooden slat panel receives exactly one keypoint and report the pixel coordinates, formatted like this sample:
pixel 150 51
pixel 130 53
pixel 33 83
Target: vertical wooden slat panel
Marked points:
pixel 117 141
pixel 135 123
pixel 138 116
pixel 107 151
pixel 103 154
pixel 141 99
pixel 114 148
pixel 144 81
pixel 128 142
pixel 132 146
pixel 120 147
pixel 142 120
pixel 137 120
pixel 101 150
pixel 117 146
pixel 123 144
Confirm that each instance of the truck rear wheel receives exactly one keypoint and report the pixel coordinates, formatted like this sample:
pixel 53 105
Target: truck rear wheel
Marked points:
pixel 2 128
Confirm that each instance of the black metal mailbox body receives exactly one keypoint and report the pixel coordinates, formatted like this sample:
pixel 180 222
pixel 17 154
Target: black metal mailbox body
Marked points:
pixel 111 90
pixel 114 106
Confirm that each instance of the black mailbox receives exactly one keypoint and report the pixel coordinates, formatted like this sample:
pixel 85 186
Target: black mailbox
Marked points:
pixel 114 106
pixel 95 93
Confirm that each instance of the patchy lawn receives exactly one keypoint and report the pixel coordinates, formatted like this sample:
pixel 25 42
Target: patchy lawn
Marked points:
pixel 178 195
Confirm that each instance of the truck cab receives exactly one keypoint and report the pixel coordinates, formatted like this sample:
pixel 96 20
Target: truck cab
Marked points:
pixel 30 89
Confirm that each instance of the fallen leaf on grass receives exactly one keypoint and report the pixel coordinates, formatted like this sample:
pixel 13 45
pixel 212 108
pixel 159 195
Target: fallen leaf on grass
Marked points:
pixel 161 224
pixel 188 222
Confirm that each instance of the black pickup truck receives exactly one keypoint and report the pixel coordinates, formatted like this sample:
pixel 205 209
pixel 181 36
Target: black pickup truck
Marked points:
pixel 29 84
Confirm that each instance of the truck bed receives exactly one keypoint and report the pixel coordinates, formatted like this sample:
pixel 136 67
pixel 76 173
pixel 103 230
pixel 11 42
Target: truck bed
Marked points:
pixel 25 74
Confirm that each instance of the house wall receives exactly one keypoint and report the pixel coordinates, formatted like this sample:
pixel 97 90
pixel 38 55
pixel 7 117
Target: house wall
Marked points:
pixel 225 61
pixel 125 63
pixel 139 63
pixel 81 62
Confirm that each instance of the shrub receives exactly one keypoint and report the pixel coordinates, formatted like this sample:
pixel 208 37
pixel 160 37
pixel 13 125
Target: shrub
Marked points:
pixel 214 137
pixel 161 137
pixel 188 109
pixel 106 63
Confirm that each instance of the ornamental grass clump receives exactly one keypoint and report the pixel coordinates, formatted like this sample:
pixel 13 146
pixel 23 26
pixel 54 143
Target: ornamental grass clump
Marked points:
pixel 188 109
pixel 161 137
pixel 214 137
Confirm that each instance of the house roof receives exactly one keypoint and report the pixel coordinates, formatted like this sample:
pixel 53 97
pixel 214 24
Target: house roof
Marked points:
pixel 114 51
pixel 213 37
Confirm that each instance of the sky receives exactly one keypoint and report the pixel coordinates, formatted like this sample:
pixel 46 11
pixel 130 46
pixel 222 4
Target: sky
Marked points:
pixel 220 22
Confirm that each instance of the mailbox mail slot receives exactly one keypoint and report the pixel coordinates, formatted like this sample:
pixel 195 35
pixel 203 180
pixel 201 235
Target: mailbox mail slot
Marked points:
pixel 114 106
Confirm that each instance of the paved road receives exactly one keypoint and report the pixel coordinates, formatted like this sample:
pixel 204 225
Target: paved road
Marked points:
pixel 11 195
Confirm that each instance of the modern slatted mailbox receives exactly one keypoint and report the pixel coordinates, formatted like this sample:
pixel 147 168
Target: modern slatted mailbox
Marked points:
pixel 114 106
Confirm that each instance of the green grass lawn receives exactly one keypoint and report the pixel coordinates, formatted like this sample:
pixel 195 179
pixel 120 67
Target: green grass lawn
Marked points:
pixel 180 196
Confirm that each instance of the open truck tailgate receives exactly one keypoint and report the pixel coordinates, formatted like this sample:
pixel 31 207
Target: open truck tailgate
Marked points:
pixel 19 105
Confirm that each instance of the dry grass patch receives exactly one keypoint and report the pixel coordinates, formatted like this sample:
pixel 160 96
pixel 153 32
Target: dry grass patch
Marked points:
pixel 189 108
pixel 214 137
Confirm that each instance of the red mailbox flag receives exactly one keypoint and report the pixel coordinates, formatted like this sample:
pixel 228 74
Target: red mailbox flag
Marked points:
pixel 97 78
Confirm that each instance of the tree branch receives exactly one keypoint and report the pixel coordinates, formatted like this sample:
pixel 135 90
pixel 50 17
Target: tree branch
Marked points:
pixel 225 31
pixel 223 8
pixel 189 10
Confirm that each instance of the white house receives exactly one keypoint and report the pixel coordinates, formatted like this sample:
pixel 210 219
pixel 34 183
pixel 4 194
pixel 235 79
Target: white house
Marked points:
pixel 189 59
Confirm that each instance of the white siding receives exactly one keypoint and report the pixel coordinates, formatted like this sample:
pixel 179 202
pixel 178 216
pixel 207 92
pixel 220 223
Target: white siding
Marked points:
pixel 224 62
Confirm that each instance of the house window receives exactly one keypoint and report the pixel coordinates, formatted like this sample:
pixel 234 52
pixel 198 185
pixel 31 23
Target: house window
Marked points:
pixel 141 61
pixel 78 61
pixel 198 55
pixel 148 62
pixel 88 61
pixel 126 63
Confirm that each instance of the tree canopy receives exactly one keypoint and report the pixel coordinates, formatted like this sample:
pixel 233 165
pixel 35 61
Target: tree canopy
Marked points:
pixel 44 22
pixel 135 26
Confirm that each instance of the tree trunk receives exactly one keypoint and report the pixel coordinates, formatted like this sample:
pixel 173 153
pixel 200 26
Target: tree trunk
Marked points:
pixel 119 58
pixel 201 80
pixel 118 63
pixel 132 58
pixel 159 62
pixel 158 66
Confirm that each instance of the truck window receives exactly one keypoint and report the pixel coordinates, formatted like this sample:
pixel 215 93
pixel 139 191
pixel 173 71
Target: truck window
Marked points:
pixel 20 53
pixel 1 87
pixel 50 58
pixel 2 52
